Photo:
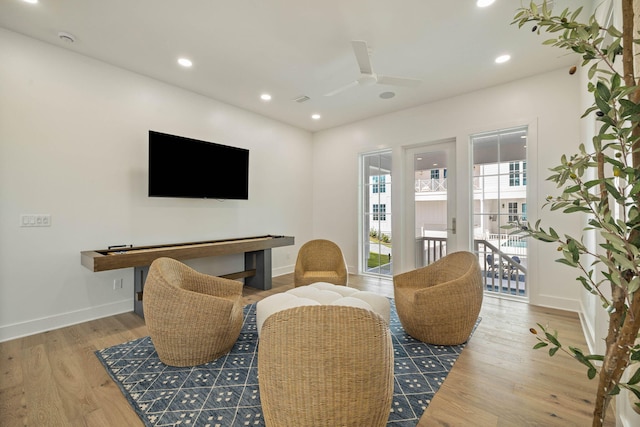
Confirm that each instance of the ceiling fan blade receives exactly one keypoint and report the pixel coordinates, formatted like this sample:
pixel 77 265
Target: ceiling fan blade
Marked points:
pixel 398 81
pixel 342 89
pixel 362 56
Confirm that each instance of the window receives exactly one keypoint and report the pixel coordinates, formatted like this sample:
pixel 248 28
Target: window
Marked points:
pixel 435 173
pixel 375 238
pixel 524 212
pixel 513 211
pixel 379 184
pixel 379 212
pixel 524 173
pixel 514 174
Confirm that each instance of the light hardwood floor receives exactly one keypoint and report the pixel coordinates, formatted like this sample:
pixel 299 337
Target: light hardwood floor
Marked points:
pixel 54 378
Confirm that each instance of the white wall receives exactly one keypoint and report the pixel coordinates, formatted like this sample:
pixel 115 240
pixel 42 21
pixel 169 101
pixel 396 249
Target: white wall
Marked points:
pixel 548 103
pixel 73 144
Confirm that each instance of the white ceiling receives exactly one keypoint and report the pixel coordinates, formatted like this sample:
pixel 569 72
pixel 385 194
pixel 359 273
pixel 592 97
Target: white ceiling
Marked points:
pixel 290 48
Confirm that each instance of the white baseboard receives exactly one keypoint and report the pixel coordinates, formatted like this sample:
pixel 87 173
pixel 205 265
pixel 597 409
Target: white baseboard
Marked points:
pixel 587 329
pixel 31 327
pixel 280 271
pixel 44 324
pixel 551 301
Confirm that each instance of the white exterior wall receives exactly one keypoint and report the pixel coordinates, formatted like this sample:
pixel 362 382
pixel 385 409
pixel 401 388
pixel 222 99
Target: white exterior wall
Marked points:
pixel 381 223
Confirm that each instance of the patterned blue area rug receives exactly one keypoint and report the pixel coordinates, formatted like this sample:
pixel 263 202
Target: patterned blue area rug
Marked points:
pixel 224 393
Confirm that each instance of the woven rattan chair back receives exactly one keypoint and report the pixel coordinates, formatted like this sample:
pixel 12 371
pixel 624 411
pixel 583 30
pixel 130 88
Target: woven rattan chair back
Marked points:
pixel 192 318
pixel 325 366
pixel 440 303
pixel 320 260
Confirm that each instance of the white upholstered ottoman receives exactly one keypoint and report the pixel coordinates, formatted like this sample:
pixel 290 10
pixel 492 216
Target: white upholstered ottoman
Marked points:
pixel 318 294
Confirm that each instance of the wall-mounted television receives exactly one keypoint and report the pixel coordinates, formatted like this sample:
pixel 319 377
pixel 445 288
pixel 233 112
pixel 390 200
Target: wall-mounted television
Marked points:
pixel 185 167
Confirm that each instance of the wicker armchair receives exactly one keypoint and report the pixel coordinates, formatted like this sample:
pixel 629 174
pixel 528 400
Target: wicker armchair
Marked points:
pixel 320 261
pixel 439 304
pixel 325 365
pixel 192 318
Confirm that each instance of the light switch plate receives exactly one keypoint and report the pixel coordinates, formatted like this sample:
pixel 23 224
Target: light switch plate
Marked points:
pixel 35 220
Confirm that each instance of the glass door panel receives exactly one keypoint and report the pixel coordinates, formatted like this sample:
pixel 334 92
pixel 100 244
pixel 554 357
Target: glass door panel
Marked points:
pixel 499 198
pixel 376 242
pixel 432 176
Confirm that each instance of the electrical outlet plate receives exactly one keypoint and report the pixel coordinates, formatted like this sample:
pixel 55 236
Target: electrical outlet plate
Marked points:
pixel 35 220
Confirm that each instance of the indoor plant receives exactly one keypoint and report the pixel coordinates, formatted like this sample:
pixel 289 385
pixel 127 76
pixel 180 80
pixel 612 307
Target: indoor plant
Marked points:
pixel 602 181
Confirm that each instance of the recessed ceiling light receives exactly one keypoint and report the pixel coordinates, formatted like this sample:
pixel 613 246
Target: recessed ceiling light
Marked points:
pixel 387 95
pixel 265 97
pixel 315 116
pixel 185 62
pixel 30 1
pixel 484 3
pixel 502 59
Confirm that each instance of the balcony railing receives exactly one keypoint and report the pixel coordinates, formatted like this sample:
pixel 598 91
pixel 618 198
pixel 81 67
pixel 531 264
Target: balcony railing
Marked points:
pixel 430 185
pixel 503 273
pixel 439 184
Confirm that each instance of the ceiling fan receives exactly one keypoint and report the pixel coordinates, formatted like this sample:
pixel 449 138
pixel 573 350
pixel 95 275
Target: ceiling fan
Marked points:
pixel 367 76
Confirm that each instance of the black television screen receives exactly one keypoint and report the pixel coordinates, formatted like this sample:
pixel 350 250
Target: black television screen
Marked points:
pixel 185 167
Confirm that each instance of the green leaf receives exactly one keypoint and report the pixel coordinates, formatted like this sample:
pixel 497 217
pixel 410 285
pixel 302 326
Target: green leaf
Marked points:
pixel 615 81
pixel 575 14
pixel 599 357
pixel 553 351
pixel 634 285
pixel 592 183
pixel 552 339
pixel 540 345
pixel 603 91
pixel 567 262
pixel 635 379
pixel 577 209
pixel 633 389
pixel 614 31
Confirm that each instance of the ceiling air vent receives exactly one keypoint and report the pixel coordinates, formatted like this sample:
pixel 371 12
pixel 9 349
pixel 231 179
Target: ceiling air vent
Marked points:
pixel 301 98
pixel 66 37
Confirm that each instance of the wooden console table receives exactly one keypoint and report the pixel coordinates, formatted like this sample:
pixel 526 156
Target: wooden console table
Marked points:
pixel 257 259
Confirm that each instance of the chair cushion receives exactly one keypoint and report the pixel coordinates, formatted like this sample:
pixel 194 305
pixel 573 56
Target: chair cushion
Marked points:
pixel 322 293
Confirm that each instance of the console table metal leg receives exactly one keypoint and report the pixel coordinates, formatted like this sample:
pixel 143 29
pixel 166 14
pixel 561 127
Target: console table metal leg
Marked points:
pixel 139 277
pixel 261 262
